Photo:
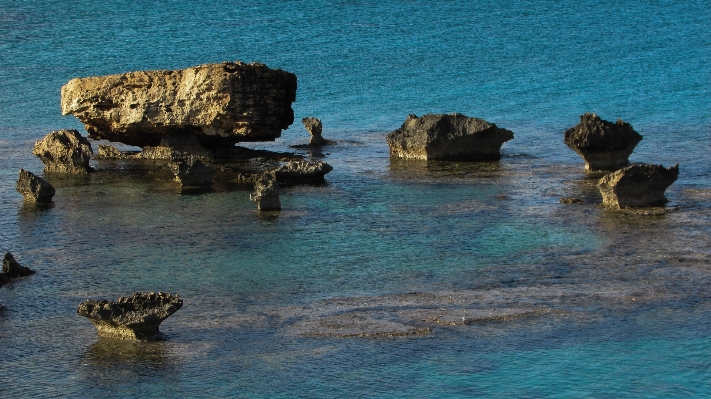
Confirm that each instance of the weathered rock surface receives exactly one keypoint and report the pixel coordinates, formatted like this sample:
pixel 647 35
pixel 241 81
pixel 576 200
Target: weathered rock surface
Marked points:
pixel 137 317
pixel 220 104
pixel 315 129
pixel 570 200
pixel 34 188
pixel 12 269
pixel 64 151
pixel 191 172
pixel 637 185
pixel 453 137
pixel 266 193
pixel 302 172
pixel 603 145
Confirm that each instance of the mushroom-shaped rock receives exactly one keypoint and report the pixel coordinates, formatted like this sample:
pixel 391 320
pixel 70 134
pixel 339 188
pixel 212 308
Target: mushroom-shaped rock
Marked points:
pixel 64 151
pixel 34 188
pixel 136 317
pixel 266 193
pixel 603 145
pixel 191 172
pixel 220 104
pixel 449 137
pixel 315 128
pixel 302 172
pixel 12 269
pixel 638 185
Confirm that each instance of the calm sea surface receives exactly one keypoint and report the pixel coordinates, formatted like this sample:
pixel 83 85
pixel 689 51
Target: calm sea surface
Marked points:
pixel 504 291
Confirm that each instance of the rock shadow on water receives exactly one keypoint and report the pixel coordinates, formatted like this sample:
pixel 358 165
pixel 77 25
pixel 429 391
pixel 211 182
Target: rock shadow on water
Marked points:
pixel 111 361
pixel 426 170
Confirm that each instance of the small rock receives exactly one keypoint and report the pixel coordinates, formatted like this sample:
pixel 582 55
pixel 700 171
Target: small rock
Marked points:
pixel 266 193
pixel 191 172
pixel 603 145
pixel 638 185
pixel 34 188
pixel 570 200
pixel 12 269
pixel 64 151
pixel 314 127
pixel 302 172
pixel 135 318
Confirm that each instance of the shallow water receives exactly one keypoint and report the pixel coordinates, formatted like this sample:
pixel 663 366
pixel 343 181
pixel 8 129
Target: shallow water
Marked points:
pixel 393 279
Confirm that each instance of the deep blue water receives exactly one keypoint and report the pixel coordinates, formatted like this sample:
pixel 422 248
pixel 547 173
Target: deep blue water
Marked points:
pixel 619 303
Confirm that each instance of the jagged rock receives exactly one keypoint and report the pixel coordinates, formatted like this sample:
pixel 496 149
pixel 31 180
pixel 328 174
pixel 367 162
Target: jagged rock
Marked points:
pixel 314 127
pixel 109 152
pixel 12 269
pixel 64 151
pixel 302 172
pixel 637 185
pixel 220 104
pixel 570 200
pixel 266 193
pixel 137 317
pixel 192 172
pixel 603 145
pixel 453 137
pixel 34 188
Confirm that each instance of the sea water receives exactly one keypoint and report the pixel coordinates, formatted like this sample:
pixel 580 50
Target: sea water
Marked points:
pixel 392 279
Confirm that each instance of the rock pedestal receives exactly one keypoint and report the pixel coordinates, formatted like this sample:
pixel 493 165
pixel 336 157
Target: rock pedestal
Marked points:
pixel 637 185
pixel 603 145
pixel 450 137
pixel 34 188
pixel 12 269
pixel 219 104
pixel 302 172
pixel 64 151
pixel 315 128
pixel 136 318
pixel 191 172
pixel 266 193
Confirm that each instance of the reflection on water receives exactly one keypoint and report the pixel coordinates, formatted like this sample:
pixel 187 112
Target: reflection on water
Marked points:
pixel 107 353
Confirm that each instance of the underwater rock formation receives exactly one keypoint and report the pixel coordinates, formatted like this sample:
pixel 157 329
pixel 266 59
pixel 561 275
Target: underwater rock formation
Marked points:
pixel 638 185
pixel 136 317
pixel 34 188
pixel 12 269
pixel 218 104
pixel 315 128
pixel 191 172
pixel 302 172
pixel 266 193
pixel 603 145
pixel 452 137
pixel 64 151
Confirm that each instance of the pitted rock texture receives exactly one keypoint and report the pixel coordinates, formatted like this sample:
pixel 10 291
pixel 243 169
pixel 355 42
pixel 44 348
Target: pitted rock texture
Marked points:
pixel 12 269
pixel 136 317
pixel 221 104
pixel 637 185
pixel 603 145
pixel 34 188
pixel 192 172
pixel 451 137
pixel 64 151
pixel 302 172
pixel 266 193
pixel 315 129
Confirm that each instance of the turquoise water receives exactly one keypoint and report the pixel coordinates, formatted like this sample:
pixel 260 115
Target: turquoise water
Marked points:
pixel 593 303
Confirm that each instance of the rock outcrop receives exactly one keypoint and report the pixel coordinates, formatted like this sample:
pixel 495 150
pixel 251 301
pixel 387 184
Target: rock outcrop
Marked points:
pixel 452 137
pixel 266 193
pixel 315 128
pixel 217 104
pixel 34 188
pixel 191 172
pixel 302 172
pixel 12 269
pixel 64 151
pixel 638 185
pixel 136 317
pixel 603 145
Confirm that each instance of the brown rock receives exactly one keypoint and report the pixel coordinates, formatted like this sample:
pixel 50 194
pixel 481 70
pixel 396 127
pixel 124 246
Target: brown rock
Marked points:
pixel 64 151
pixel 220 104
pixel 302 172
pixel 637 185
pixel 266 193
pixel 34 188
pixel 191 172
pixel 315 128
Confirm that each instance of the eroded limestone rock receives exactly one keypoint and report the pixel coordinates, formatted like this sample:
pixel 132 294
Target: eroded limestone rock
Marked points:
pixel 12 269
pixel 136 317
pixel 603 145
pixel 637 185
pixel 453 137
pixel 34 188
pixel 191 172
pixel 64 151
pixel 315 128
pixel 266 193
pixel 302 172
pixel 220 104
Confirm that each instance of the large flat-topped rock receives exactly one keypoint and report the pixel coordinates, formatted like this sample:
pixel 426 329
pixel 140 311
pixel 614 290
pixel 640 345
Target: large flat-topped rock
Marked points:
pixel 221 104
